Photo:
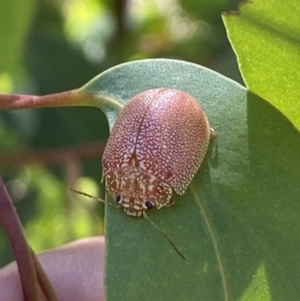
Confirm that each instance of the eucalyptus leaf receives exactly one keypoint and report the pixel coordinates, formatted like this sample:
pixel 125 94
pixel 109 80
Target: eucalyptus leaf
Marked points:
pixel 266 38
pixel 238 224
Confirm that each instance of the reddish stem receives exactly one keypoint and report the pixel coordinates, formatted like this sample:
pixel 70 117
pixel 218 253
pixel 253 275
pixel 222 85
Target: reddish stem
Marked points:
pixel 13 228
pixel 31 272
pixel 63 99
pixel 43 280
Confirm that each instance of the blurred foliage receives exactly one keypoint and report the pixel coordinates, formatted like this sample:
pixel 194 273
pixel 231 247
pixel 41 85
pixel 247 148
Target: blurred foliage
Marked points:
pixel 15 19
pixel 52 46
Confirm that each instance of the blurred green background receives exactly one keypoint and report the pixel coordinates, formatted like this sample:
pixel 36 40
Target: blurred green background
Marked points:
pixel 49 46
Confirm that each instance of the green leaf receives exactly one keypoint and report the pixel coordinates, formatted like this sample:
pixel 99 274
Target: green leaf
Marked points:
pixel 238 224
pixel 15 17
pixel 265 36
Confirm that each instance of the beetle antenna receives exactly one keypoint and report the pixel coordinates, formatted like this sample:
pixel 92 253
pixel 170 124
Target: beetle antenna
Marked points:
pixel 94 198
pixel 164 234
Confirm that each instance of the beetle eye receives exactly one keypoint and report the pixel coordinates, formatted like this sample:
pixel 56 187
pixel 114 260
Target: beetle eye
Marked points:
pixel 149 205
pixel 118 198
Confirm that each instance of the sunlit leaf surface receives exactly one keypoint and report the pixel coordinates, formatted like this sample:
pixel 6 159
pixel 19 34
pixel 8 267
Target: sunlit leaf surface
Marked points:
pixel 266 38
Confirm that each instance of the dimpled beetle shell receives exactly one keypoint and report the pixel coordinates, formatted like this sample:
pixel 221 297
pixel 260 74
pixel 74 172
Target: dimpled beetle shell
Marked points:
pixel 157 144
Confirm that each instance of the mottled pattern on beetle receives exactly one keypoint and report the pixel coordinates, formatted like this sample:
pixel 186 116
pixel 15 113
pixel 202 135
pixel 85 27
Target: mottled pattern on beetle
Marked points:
pixel 167 133
pixel 135 187
pixel 123 137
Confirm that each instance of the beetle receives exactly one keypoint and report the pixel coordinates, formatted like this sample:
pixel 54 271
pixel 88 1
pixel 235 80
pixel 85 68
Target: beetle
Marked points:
pixel 156 146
